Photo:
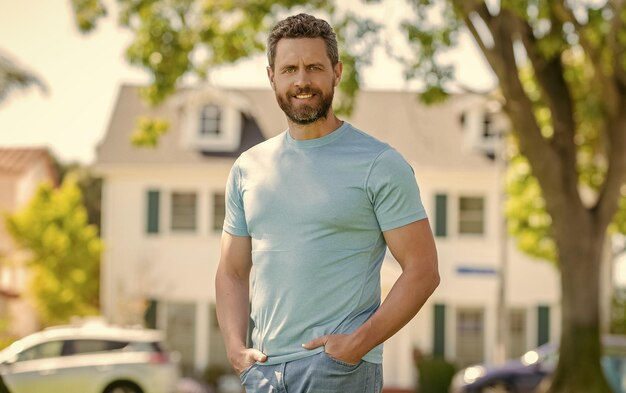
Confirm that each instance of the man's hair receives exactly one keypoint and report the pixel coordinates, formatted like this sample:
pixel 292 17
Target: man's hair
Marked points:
pixel 303 26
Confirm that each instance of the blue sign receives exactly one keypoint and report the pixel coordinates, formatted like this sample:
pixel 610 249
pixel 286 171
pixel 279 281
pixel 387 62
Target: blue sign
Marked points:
pixel 477 270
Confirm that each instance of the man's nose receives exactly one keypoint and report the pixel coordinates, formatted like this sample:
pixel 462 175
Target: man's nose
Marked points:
pixel 302 78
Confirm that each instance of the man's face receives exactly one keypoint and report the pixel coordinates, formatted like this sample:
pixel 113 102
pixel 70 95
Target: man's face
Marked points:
pixel 303 79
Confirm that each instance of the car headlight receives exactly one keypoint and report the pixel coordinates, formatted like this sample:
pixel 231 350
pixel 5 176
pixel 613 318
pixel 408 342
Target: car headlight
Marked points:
pixel 530 357
pixel 471 374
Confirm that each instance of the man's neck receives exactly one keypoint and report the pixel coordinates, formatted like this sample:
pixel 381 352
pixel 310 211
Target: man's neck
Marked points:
pixel 317 129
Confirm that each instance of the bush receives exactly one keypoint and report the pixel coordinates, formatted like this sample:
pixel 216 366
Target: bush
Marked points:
pixel 213 374
pixel 435 375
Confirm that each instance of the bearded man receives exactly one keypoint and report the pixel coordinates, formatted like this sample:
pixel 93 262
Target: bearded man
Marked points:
pixel 313 210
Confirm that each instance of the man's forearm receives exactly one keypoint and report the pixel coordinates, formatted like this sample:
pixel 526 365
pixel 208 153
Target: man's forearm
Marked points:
pixel 406 298
pixel 233 310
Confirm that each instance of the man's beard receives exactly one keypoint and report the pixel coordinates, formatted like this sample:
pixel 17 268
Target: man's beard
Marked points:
pixel 306 114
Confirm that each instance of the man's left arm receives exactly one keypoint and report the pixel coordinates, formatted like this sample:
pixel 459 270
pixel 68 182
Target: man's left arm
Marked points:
pixel 413 246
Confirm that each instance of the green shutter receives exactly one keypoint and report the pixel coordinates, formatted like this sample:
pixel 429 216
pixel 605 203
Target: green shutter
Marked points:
pixel 150 315
pixel 543 324
pixel 441 215
pixel 152 224
pixel 439 341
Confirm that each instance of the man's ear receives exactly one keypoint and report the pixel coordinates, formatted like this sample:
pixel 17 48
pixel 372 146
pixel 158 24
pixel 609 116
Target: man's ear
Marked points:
pixel 338 70
pixel 270 76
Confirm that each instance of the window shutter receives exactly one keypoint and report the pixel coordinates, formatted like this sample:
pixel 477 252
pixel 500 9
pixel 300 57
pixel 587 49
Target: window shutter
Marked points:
pixel 441 215
pixel 543 324
pixel 439 335
pixel 152 224
pixel 150 315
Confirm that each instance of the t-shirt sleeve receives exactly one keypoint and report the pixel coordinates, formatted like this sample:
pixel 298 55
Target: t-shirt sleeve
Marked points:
pixel 393 191
pixel 235 217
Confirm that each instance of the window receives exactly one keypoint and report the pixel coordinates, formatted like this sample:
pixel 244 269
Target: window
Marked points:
pixel 516 338
pixel 471 215
pixel 41 351
pixel 181 332
pixel 79 347
pixel 210 119
pixel 470 336
pixel 488 126
pixel 219 211
pixel 184 208
pixel 213 127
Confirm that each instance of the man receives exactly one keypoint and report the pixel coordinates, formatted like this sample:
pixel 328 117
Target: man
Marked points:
pixel 313 210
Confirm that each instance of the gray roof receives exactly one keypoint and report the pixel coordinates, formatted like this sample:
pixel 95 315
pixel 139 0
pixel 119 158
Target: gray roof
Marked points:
pixel 428 136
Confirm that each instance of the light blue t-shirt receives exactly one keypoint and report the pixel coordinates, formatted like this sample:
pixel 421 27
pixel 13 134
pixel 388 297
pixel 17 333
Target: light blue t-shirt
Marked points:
pixel 315 211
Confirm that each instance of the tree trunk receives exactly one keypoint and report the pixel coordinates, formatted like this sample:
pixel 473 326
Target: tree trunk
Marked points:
pixel 580 246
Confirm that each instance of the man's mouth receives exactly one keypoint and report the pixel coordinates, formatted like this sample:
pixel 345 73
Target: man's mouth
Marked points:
pixel 303 96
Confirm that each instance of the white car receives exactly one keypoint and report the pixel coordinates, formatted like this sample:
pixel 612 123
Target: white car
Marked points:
pixel 90 358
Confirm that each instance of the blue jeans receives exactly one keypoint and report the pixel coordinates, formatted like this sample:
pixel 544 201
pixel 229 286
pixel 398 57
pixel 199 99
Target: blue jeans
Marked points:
pixel 314 374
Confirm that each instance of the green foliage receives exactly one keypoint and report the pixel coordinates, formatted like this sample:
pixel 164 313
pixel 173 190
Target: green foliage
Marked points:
pixel 179 39
pixel 435 375
pixel 148 131
pixel 176 38
pixel 618 312
pixel 87 13
pixel 619 222
pixel 359 35
pixel 90 187
pixel 65 252
pixel 6 338
pixel 527 218
pixel 431 34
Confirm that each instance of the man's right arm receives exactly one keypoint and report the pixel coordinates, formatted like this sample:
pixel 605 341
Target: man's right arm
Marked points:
pixel 232 299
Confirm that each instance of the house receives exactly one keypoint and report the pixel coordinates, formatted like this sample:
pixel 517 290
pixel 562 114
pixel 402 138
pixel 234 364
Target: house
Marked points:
pixel 163 210
pixel 22 170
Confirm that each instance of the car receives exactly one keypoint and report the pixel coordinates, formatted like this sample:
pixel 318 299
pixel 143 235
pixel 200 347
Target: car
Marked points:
pixel 524 375
pixel 90 357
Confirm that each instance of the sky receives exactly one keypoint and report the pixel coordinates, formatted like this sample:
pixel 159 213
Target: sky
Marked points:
pixel 83 74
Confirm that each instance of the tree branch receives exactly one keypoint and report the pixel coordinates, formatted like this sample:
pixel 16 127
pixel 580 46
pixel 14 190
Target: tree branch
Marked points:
pixel 557 96
pixel 616 174
pixel 565 14
pixel 617 26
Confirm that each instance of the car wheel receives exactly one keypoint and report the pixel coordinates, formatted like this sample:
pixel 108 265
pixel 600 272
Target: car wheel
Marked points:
pixel 123 387
pixel 497 387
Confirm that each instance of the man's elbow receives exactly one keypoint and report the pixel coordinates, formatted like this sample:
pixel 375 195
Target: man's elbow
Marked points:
pixel 432 277
pixel 435 280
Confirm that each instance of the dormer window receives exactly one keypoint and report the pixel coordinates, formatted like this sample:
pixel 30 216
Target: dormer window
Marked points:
pixel 210 120
pixel 212 126
pixel 489 130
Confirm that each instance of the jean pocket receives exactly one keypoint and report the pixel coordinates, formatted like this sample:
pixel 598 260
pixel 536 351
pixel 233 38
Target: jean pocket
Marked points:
pixel 341 362
pixel 242 374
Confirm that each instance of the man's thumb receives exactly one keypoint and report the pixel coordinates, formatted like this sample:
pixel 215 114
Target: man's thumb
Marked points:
pixel 259 356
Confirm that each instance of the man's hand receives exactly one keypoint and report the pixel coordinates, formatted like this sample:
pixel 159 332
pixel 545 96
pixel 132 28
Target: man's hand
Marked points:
pixel 247 358
pixel 338 346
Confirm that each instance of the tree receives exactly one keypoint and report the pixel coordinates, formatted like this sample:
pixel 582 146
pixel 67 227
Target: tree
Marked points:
pixel 14 77
pixel 178 38
pixel 65 252
pixel 90 187
pixel 562 78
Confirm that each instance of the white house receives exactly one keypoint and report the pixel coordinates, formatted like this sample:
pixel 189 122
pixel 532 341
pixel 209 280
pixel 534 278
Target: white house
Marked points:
pixel 163 210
